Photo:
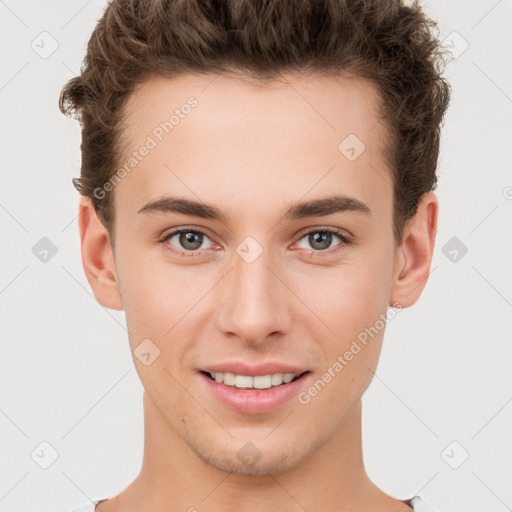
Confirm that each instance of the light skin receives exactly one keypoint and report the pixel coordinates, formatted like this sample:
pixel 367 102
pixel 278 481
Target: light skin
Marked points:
pixel 253 152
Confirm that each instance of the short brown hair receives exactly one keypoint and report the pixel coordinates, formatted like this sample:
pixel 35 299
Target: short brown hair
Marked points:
pixel 393 45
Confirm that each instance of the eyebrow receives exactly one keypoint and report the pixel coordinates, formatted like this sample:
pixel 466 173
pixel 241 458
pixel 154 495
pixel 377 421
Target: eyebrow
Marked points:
pixel 313 208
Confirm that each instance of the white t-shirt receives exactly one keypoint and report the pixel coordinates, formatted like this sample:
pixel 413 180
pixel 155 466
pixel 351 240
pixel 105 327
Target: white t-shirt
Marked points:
pixel 415 502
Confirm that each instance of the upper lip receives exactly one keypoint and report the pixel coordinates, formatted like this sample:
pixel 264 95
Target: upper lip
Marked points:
pixel 240 368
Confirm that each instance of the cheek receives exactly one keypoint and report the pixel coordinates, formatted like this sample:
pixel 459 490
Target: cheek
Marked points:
pixel 146 291
pixel 161 303
pixel 348 298
pixel 354 310
pixel 351 304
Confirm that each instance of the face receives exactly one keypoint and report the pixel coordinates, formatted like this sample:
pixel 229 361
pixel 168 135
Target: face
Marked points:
pixel 254 285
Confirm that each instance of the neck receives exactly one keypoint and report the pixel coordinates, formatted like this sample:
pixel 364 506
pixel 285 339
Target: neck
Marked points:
pixel 173 477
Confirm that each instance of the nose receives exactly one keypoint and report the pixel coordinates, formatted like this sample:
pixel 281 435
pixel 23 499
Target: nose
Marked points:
pixel 254 302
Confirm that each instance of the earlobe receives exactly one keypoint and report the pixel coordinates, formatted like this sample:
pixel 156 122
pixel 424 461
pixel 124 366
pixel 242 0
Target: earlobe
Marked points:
pixel 414 256
pixel 97 257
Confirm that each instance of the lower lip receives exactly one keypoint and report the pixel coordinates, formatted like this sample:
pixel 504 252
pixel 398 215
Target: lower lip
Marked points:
pixel 255 401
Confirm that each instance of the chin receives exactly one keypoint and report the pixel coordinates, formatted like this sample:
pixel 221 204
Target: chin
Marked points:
pixel 272 464
pixel 262 456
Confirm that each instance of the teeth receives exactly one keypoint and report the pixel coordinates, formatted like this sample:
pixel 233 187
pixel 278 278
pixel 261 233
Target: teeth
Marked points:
pixel 258 382
pixel 263 381
pixel 242 381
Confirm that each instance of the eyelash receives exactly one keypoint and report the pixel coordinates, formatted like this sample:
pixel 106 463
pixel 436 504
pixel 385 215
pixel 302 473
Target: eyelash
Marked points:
pixel 345 241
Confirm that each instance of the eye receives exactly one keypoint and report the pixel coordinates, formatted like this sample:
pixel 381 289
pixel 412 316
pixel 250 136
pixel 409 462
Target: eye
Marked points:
pixel 321 239
pixel 191 240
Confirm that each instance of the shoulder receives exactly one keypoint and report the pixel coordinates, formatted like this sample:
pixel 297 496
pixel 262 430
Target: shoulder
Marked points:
pixel 88 507
pixel 418 505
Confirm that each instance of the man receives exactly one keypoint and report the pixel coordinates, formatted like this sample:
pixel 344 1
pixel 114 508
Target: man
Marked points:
pixel 257 190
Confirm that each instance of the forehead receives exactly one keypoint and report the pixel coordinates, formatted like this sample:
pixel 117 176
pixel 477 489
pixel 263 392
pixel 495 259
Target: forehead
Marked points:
pixel 214 135
pixel 327 104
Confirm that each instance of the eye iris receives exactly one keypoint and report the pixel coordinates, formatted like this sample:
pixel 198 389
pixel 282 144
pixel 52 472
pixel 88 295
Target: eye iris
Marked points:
pixel 196 239
pixel 324 238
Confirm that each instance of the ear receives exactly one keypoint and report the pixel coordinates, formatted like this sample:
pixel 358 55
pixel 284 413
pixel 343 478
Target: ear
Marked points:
pixel 414 256
pixel 97 257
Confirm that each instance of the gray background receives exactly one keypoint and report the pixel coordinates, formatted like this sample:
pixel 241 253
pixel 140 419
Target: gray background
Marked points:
pixel 443 388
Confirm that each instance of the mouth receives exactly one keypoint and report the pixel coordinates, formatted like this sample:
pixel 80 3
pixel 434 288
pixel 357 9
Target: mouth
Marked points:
pixel 268 381
pixel 257 394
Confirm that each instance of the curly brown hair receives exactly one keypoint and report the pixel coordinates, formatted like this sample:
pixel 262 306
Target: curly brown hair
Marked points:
pixel 393 45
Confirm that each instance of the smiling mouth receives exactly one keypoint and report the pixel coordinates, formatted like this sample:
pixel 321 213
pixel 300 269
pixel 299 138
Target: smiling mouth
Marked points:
pixel 258 382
